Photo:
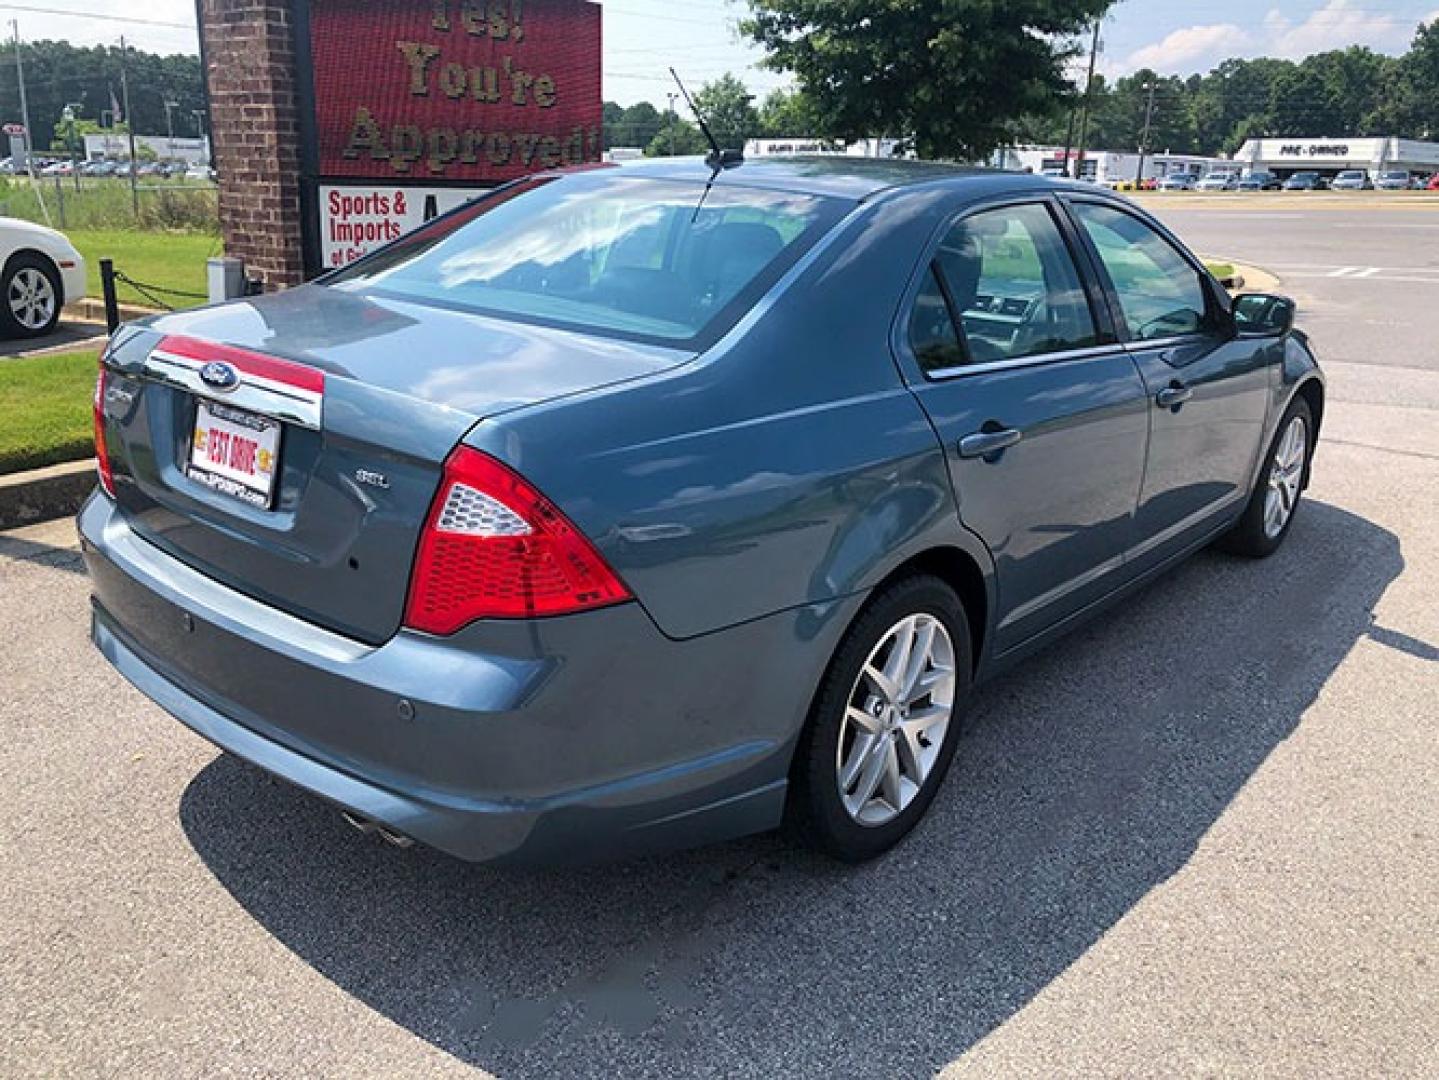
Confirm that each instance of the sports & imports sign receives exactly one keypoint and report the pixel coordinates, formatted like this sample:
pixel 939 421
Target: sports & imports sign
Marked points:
pixel 411 96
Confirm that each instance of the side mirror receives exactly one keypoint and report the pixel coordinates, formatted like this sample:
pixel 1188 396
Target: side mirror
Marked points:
pixel 1263 315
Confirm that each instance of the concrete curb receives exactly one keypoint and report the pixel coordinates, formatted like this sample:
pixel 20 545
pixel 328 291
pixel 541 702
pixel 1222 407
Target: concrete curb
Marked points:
pixel 88 309
pixel 45 494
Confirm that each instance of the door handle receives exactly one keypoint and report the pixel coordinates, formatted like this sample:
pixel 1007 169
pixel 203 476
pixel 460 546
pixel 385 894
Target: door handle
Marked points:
pixel 1173 396
pixel 984 443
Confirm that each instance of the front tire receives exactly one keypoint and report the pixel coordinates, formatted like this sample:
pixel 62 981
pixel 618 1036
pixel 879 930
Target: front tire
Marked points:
pixel 885 722
pixel 1275 501
pixel 30 296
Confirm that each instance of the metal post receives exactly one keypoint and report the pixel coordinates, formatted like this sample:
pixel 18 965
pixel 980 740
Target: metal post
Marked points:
pixel 1144 139
pixel 107 289
pixel 60 198
pixel 130 126
pixel 1084 110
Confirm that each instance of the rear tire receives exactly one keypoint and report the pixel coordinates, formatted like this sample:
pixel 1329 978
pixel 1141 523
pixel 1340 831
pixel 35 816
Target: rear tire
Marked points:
pixel 30 296
pixel 1276 497
pixel 875 749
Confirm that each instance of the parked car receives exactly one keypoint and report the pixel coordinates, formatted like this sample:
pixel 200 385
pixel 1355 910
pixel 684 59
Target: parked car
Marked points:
pixel 1305 181
pixel 1433 184
pixel 200 172
pixel 1219 181
pixel 1352 180
pixel 642 507
pixel 1259 180
pixel 42 272
pixel 1178 182
pixel 1394 180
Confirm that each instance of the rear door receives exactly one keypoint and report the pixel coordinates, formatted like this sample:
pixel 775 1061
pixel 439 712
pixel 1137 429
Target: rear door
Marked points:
pixel 1042 414
pixel 1208 389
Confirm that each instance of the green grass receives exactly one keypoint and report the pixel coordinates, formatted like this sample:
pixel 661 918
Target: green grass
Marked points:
pixel 171 260
pixel 45 404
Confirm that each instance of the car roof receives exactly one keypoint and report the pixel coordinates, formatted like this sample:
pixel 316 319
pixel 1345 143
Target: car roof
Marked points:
pixel 834 175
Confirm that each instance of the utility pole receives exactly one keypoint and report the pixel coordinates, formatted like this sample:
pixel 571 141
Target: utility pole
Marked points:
pixel 672 96
pixel 170 127
pixel 25 120
pixel 130 127
pixel 1084 111
pixel 1144 138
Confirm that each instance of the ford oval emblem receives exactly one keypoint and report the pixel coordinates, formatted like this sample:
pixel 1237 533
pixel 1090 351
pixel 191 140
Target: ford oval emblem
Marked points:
pixel 220 375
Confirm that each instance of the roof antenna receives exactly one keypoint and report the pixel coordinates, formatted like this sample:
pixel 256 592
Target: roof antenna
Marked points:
pixel 716 159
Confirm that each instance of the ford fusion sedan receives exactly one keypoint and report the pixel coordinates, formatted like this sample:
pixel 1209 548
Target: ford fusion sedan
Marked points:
pixel 641 507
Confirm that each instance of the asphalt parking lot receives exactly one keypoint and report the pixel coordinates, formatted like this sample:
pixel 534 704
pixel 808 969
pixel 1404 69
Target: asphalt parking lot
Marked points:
pixel 1200 836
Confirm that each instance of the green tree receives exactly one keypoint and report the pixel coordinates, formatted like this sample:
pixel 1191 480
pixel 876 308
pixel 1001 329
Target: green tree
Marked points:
pixel 947 75
pixel 59 74
pixel 637 125
pixel 677 137
pixel 728 109
pixel 1409 101
pixel 789 114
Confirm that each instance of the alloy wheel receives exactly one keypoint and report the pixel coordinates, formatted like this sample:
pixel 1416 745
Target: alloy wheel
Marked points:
pixel 1286 474
pixel 32 298
pixel 895 720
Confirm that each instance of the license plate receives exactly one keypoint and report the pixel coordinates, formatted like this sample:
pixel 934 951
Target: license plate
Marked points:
pixel 235 452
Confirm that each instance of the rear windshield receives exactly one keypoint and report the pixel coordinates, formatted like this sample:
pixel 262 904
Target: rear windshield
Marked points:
pixel 1394 176
pixel 650 260
pixel 1351 175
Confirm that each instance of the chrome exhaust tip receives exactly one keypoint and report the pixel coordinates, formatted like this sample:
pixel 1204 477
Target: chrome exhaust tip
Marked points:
pixel 364 825
pixel 368 827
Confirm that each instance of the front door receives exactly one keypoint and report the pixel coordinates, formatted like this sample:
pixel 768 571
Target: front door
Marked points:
pixel 1208 389
pixel 1043 421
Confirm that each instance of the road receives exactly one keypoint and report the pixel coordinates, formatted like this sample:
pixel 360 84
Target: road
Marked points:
pixel 1199 836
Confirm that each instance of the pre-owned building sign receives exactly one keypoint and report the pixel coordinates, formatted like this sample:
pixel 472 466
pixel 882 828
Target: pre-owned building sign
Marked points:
pixel 442 94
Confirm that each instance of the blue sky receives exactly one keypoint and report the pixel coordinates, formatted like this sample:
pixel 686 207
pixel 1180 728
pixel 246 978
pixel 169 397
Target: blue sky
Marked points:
pixel 642 37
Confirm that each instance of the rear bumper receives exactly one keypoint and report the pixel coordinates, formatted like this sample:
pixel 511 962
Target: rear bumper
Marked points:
pixel 561 740
pixel 72 281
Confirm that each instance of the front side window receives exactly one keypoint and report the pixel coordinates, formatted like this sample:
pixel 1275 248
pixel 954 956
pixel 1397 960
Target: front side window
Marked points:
pixel 648 259
pixel 1008 278
pixel 1160 293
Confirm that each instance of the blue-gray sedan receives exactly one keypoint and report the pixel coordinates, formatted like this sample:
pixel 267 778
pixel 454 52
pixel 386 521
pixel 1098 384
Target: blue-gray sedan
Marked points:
pixel 635 508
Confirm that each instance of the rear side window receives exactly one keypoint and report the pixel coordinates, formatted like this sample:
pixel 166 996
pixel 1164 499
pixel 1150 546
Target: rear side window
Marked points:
pixel 1007 283
pixel 1159 292
pixel 653 260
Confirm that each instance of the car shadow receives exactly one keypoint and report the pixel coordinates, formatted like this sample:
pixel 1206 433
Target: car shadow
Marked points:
pixel 1084 779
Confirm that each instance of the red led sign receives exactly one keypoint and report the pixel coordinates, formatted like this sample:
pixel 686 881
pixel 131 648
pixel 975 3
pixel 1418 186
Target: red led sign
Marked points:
pixel 482 91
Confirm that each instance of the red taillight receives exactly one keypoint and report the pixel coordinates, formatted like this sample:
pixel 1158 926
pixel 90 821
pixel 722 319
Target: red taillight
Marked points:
pixel 102 451
pixel 494 547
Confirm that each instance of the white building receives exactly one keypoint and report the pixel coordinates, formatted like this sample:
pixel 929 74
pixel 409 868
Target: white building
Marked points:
pixel 1104 166
pixel 115 146
pixel 870 148
pixel 1326 156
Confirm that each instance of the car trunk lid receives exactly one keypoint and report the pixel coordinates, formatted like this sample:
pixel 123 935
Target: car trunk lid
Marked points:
pixel 362 400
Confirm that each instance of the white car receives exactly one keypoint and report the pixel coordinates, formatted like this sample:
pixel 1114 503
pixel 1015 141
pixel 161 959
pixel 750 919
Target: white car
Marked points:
pixel 42 273
pixel 1177 182
pixel 1219 181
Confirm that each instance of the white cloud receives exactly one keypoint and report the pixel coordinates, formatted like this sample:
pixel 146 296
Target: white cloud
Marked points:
pixel 1336 25
pixel 1191 47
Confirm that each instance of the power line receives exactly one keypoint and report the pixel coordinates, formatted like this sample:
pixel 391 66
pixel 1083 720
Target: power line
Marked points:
pixel 97 15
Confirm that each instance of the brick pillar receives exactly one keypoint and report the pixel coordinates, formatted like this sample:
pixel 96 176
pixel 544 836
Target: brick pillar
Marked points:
pixel 254 121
